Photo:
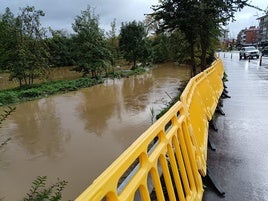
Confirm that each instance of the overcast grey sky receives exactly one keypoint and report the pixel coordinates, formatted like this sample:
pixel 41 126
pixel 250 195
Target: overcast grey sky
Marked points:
pixel 247 17
pixel 60 14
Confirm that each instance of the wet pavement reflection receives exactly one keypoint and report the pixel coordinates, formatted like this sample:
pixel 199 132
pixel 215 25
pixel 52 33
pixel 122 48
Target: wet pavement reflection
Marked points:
pixel 240 162
pixel 76 136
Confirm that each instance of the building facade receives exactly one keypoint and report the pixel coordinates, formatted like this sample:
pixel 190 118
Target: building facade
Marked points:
pixel 224 36
pixel 263 32
pixel 248 36
pixel 225 42
pixel 252 35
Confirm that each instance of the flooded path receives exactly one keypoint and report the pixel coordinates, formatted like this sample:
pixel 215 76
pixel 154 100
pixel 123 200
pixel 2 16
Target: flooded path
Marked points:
pixel 76 136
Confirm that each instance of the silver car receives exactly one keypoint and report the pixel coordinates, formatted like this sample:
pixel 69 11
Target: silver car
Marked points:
pixel 249 52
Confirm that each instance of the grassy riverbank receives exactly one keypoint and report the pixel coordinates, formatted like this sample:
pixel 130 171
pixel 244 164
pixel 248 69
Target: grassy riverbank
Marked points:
pixel 35 91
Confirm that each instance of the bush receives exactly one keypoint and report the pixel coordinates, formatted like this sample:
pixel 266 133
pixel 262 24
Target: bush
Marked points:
pixel 8 97
pixel 30 92
pixel 39 191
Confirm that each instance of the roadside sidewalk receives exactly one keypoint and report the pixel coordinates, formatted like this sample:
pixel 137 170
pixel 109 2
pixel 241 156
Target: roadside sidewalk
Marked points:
pixel 240 162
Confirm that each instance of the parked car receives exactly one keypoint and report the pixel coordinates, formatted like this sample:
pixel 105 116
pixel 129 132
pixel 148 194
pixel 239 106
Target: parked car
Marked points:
pixel 249 52
pixel 264 51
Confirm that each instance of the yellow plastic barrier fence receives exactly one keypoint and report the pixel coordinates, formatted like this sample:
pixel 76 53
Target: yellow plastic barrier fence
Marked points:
pixel 207 93
pixel 201 97
pixel 214 77
pixel 166 162
pixel 198 121
pixel 219 67
pixel 164 149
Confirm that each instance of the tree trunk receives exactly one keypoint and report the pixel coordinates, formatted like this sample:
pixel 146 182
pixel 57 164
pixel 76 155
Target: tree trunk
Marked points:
pixel 192 59
pixel 94 73
pixel 203 58
pixel 134 64
pixel 25 79
pixel 204 47
pixel 134 61
pixel 32 78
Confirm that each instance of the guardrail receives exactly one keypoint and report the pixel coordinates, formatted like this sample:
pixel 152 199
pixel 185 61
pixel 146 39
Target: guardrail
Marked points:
pixel 168 159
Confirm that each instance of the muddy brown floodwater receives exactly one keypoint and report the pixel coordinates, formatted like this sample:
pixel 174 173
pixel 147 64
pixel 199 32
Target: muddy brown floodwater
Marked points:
pixel 77 135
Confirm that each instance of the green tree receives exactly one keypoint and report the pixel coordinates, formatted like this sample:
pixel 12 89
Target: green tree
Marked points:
pixel 132 42
pixel 182 15
pixel 160 48
pixel 30 53
pixel 59 46
pixel 214 14
pixel 198 20
pixel 151 25
pixel 90 51
pixel 179 48
pixel 165 45
pixel 7 37
pixel 113 43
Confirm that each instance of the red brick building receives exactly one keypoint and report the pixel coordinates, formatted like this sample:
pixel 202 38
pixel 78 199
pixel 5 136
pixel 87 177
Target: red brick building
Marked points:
pixel 252 35
pixel 248 36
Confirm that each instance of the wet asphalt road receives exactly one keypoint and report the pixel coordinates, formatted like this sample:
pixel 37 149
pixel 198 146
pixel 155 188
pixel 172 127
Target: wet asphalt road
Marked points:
pixel 240 162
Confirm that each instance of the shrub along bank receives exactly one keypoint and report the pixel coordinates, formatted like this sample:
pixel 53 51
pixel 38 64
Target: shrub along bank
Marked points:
pixel 34 91
pixel 173 101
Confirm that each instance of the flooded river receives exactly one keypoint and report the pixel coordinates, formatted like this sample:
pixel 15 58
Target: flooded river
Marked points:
pixel 77 135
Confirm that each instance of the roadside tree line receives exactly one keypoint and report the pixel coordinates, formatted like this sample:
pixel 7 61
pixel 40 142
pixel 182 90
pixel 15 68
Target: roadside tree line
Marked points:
pixel 28 50
pixel 179 30
pixel 199 21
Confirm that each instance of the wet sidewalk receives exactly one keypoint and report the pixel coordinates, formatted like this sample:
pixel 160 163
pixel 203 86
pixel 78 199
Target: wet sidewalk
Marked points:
pixel 240 162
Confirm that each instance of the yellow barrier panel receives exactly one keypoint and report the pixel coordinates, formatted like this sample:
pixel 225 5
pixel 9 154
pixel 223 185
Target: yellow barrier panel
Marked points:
pixel 207 93
pixel 219 67
pixel 201 97
pixel 173 148
pixel 198 122
pixel 164 149
pixel 214 77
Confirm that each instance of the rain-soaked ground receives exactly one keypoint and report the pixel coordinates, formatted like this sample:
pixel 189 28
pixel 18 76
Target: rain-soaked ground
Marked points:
pixel 240 162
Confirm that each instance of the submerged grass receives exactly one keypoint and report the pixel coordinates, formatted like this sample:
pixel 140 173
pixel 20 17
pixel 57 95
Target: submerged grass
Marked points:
pixel 35 91
pixel 25 93
pixel 173 101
